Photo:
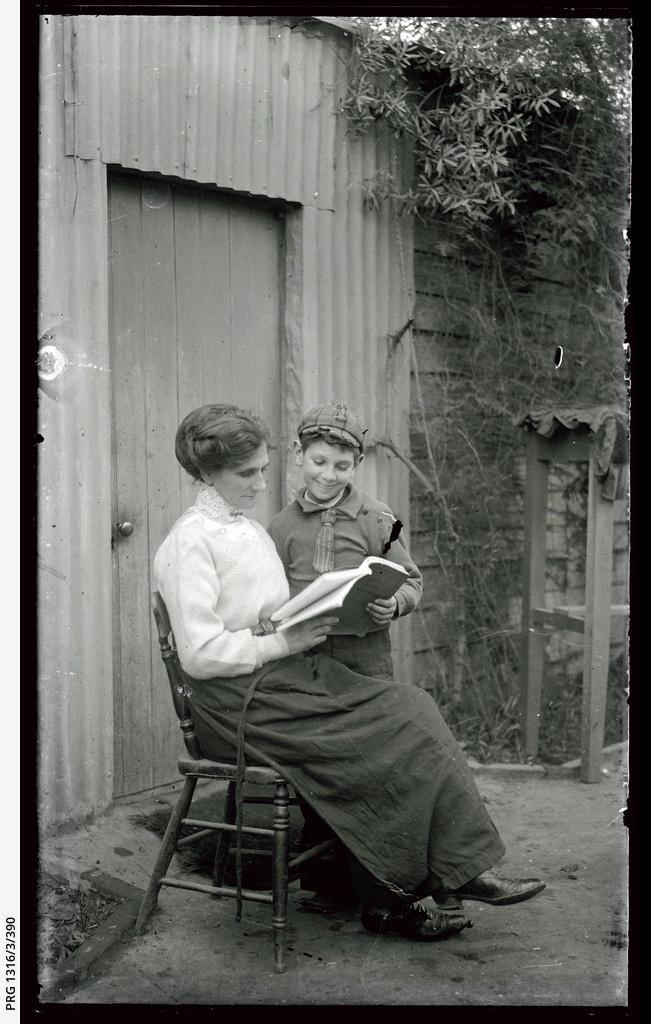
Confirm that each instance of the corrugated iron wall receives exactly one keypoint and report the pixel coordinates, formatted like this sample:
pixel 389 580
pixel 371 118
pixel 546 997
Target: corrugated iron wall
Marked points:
pixel 75 706
pixel 243 103
pixel 251 104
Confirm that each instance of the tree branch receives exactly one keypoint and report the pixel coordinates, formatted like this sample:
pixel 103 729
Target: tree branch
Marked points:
pixel 386 442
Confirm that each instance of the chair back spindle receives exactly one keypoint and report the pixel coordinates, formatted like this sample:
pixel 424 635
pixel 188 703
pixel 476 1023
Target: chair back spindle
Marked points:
pixel 175 674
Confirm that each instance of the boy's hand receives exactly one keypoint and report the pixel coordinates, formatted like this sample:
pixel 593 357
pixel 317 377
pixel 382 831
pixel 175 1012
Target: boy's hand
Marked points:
pixel 382 610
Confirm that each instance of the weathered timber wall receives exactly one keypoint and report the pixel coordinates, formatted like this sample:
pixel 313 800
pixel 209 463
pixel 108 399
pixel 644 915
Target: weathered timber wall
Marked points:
pixel 460 435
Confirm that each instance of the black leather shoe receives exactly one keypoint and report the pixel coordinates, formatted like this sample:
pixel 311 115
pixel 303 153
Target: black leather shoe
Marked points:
pixel 415 921
pixel 500 892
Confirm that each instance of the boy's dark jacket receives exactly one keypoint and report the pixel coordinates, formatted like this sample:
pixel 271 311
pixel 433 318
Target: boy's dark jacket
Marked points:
pixel 363 527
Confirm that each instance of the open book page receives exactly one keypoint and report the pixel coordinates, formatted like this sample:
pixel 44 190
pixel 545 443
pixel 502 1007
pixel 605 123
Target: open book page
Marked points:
pixel 375 577
pixel 331 602
pixel 323 585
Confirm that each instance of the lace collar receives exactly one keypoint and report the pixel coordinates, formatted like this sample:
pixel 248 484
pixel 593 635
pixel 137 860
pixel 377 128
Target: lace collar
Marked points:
pixel 210 502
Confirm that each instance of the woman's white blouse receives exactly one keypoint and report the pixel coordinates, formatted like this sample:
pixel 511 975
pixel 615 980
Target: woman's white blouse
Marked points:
pixel 218 576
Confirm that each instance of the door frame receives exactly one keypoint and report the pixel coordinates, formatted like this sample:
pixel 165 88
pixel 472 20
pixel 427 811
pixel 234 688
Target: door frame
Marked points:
pixel 289 338
pixel 291 296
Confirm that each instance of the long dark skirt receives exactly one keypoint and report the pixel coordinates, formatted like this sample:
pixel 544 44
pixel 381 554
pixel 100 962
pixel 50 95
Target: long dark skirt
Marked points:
pixel 373 758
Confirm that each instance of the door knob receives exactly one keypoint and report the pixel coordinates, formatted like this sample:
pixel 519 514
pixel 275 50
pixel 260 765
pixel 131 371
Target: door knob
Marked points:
pixel 125 529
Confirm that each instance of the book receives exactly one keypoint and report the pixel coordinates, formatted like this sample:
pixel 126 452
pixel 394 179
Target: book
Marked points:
pixel 346 592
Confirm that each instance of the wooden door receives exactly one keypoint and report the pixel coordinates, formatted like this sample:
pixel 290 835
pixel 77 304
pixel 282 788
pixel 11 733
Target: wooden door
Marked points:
pixel 195 286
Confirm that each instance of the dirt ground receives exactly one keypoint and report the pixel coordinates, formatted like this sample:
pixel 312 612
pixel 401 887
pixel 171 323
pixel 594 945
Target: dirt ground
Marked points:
pixel 566 947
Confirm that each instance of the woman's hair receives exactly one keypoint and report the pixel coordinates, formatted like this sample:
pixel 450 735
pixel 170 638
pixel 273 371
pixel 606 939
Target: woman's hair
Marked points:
pixel 215 437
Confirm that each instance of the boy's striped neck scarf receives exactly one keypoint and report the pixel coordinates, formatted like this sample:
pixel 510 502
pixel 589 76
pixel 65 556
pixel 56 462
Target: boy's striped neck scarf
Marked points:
pixel 324 550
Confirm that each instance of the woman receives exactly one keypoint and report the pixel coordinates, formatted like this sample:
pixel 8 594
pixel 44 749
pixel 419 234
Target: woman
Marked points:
pixel 373 758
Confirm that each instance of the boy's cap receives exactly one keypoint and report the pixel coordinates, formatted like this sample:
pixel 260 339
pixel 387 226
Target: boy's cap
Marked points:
pixel 336 421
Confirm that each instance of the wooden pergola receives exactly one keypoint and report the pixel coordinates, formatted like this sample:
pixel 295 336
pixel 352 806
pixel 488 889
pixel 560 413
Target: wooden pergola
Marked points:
pixel 598 436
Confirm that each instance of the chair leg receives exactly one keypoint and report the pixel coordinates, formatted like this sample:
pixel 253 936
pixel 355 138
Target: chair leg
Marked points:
pixel 166 853
pixel 280 873
pixel 224 838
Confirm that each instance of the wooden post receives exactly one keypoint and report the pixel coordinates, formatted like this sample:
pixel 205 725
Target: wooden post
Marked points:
pixel 598 572
pixel 533 639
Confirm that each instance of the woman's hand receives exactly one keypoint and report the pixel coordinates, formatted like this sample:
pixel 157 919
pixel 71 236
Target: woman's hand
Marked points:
pixel 309 634
pixel 382 610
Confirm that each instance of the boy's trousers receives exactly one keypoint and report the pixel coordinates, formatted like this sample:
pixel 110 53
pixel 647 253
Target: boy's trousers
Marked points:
pixel 369 655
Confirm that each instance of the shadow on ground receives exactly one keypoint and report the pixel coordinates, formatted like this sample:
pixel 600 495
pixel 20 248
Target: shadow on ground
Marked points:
pixel 566 947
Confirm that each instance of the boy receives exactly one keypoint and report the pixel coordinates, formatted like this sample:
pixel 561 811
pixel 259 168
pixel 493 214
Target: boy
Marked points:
pixel 332 525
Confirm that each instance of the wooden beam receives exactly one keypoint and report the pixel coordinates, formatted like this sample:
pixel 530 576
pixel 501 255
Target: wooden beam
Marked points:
pixel 563 446
pixel 553 618
pixel 579 609
pixel 533 639
pixel 598 571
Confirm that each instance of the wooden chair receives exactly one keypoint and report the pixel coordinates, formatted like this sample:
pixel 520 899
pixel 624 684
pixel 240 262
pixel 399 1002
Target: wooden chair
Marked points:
pixel 194 767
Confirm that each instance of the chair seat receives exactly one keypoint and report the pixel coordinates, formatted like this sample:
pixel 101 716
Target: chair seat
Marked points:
pixel 208 769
